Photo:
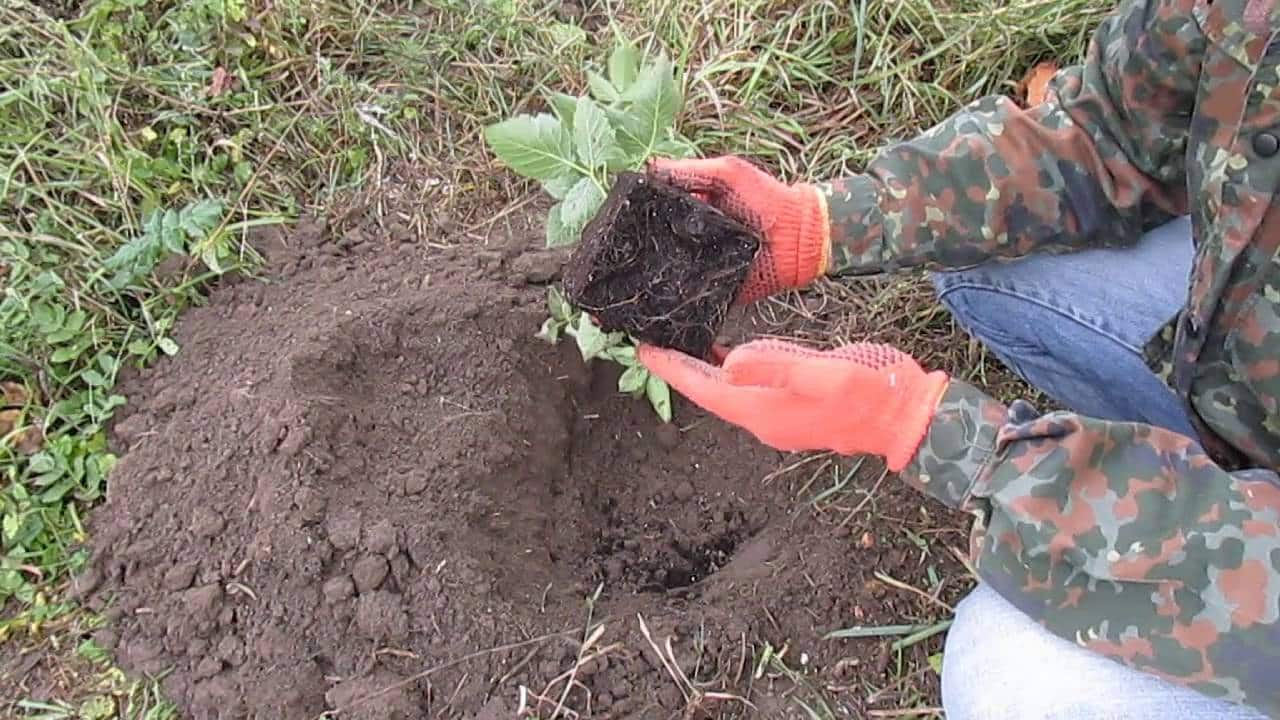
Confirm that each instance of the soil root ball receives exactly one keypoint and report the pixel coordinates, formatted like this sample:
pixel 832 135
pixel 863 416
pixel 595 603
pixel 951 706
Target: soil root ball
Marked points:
pixel 660 264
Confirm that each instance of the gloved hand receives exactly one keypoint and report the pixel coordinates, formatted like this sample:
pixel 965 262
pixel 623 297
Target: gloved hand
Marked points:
pixel 857 399
pixel 791 219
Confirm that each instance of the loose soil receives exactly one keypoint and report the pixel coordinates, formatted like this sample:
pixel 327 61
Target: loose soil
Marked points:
pixel 660 264
pixel 364 486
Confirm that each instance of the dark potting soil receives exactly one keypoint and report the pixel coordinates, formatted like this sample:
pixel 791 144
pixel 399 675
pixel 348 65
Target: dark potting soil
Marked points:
pixel 660 264
pixel 364 486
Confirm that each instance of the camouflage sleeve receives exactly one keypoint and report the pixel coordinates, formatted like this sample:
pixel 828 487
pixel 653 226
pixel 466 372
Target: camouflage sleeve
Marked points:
pixel 1122 537
pixel 1096 164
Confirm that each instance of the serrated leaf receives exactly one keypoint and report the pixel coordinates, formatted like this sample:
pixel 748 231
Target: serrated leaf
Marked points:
pixel 167 346
pixel 580 205
pixel 633 380
pixel 564 106
pixel 659 395
pixel 556 303
pixel 593 136
pixel 559 186
pixel 536 146
pixel 655 100
pixel 601 88
pixel 624 66
pixel 591 340
pixel 558 233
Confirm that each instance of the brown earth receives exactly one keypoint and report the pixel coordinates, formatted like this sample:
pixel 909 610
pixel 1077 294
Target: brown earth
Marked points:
pixel 364 486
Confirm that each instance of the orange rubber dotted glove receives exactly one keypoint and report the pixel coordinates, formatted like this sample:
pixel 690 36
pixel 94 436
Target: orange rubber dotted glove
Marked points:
pixel 857 399
pixel 791 219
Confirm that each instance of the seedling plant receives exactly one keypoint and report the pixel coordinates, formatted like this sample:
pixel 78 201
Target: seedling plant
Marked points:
pixel 575 152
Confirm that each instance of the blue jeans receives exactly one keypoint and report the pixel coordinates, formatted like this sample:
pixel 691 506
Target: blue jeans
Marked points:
pixel 1073 326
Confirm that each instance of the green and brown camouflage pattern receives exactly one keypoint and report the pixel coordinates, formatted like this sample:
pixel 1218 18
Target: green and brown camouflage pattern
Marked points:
pixel 1160 551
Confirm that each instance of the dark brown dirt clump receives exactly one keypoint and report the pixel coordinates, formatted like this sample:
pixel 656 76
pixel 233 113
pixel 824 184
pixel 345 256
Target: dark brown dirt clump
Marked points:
pixel 364 486
pixel 660 264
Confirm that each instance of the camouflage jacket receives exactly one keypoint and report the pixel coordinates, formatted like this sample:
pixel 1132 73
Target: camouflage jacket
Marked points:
pixel 1158 550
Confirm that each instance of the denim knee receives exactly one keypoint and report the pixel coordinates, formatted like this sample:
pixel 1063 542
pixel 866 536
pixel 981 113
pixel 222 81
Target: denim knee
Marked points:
pixel 998 664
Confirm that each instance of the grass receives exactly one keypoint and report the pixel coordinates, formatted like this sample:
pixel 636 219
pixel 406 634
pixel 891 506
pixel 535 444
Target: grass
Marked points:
pixel 143 144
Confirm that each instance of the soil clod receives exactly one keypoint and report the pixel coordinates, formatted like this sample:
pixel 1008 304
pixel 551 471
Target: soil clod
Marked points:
pixel 660 264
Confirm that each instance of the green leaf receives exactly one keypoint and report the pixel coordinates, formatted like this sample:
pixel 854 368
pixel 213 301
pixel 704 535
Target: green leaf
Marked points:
pixel 558 233
pixel 536 147
pixel 623 355
pixel 602 89
pixel 68 353
pixel 94 378
pixel 564 106
pixel 559 186
pixel 70 327
pixel 593 137
pixel 624 65
pixel 634 380
pixel 167 346
pixel 655 99
pixel 676 147
pixel 207 213
pixel 560 308
pixel 550 331
pixel 580 205
pixel 659 396
pixel 210 258
pixel 11 526
pixel 591 340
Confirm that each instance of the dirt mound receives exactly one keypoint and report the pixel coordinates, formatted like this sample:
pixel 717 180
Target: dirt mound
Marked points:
pixel 365 486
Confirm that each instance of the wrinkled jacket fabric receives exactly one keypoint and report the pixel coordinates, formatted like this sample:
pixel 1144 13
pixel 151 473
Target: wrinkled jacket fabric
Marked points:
pixel 1158 550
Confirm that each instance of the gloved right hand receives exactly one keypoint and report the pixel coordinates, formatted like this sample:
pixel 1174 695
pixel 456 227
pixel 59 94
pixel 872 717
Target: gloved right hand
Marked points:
pixel 791 219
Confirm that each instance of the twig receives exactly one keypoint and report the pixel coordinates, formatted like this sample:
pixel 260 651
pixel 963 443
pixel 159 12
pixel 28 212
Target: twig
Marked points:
pixel 904 586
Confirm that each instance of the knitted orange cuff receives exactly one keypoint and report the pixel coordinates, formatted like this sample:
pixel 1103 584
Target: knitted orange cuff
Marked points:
pixel 808 256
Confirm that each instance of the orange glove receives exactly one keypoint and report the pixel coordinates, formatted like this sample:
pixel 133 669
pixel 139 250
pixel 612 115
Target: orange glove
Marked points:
pixel 792 219
pixel 857 399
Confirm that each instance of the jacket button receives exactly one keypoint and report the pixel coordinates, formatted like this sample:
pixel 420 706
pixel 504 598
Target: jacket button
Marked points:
pixel 1266 144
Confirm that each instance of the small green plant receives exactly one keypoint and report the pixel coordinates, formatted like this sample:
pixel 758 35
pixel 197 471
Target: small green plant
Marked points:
pixel 574 152
pixel 595 343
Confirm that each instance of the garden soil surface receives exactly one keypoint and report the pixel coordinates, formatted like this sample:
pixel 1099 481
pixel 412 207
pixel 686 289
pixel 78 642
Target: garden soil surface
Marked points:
pixel 364 488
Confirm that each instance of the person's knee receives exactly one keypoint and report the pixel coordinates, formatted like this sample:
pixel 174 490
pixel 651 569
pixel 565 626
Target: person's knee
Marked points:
pixel 997 664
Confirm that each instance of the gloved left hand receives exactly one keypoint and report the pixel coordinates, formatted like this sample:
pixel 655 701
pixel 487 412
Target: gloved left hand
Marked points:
pixel 857 399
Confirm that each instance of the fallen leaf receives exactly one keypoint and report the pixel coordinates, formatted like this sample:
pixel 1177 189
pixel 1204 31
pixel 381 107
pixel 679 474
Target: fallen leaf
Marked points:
pixel 30 441
pixel 15 395
pixel 8 419
pixel 221 82
pixel 1035 84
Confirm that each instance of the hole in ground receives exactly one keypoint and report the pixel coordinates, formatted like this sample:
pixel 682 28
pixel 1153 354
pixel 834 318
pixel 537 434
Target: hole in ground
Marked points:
pixel 528 462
